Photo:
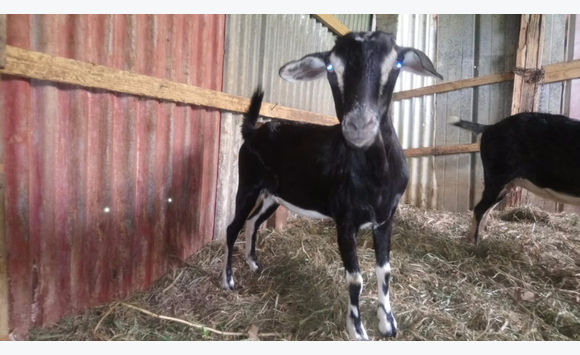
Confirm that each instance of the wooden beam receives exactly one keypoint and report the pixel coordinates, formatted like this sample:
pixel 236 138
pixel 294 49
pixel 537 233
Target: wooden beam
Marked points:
pixel 442 150
pixel 36 65
pixel 453 85
pixel 2 41
pixel 333 24
pixel 552 73
pixel 562 71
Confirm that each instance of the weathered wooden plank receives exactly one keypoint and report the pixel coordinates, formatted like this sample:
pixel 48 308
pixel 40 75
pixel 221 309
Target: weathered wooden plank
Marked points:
pixel 525 95
pixel 333 24
pixel 442 150
pixel 454 85
pixel 36 65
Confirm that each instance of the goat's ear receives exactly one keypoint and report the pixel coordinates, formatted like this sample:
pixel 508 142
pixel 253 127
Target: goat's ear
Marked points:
pixel 309 67
pixel 415 61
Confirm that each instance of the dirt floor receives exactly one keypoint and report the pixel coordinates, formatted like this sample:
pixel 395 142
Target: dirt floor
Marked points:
pixel 522 282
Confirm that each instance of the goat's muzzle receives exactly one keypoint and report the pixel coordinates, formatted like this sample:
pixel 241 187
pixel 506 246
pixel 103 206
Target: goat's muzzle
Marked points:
pixel 360 128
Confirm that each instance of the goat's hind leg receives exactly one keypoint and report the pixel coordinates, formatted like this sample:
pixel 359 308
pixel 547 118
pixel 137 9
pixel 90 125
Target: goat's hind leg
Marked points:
pixel 491 196
pixel 261 212
pixel 246 200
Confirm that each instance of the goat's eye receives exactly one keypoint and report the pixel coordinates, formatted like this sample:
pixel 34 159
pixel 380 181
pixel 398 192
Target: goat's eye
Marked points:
pixel 329 68
pixel 398 64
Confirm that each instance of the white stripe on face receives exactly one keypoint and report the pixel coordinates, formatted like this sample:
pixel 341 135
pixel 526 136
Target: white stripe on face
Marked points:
pixel 386 67
pixel 338 67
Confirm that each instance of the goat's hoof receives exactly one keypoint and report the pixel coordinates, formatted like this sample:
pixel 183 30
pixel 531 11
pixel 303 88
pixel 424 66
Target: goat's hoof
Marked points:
pixel 387 323
pixel 253 264
pixel 227 282
pixel 355 329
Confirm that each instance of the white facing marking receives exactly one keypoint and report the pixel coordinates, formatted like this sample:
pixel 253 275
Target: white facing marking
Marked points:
pixel 367 225
pixel 298 210
pixel 338 65
pixel 354 310
pixel 547 192
pixel 250 226
pixel 384 303
pixel 387 66
pixel 351 329
pixel 354 278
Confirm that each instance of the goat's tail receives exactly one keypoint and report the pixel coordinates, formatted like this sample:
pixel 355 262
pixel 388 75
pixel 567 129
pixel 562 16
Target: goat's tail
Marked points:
pixel 251 116
pixel 471 126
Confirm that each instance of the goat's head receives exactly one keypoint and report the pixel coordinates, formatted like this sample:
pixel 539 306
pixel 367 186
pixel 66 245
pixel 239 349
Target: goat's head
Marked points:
pixel 362 69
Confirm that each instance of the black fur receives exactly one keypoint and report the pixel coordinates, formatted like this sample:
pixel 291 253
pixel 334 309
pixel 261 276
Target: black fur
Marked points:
pixel 318 168
pixel 539 147
pixel 252 115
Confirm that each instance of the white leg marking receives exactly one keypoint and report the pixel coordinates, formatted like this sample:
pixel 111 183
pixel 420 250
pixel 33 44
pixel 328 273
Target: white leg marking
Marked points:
pixel 352 311
pixel 249 231
pixel 384 311
pixel 227 285
pixel 250 227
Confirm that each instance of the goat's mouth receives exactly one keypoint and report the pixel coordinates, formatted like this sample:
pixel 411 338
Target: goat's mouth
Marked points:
pixel 362 137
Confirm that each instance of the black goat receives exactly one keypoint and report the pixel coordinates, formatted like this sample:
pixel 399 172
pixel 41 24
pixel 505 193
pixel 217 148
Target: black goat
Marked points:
pixel 354 172
pixel 537 151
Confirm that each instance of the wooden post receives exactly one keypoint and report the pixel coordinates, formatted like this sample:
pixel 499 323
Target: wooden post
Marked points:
pixel 528 77
pixel 4 314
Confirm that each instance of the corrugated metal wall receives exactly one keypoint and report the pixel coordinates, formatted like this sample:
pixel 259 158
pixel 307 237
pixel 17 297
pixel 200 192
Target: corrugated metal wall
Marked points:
pixel 414 118
pixel 470 45
pixel 461 46
pixel 103 190
pixel 256 47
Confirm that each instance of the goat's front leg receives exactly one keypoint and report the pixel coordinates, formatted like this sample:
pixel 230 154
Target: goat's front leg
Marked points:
pixel 347 248
pixel 382 245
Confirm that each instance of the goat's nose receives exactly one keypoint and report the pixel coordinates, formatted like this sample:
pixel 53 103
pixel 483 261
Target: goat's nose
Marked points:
pixel 358 123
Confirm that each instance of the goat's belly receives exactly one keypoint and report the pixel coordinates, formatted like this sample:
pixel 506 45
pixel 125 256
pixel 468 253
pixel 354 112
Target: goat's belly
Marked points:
pixel 547 192
pixel 298 210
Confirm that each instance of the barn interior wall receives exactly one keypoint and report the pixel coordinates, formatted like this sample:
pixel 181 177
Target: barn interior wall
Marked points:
pixel 104 191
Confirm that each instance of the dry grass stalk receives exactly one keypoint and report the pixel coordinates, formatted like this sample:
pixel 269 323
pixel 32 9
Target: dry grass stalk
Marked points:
pixel 521 283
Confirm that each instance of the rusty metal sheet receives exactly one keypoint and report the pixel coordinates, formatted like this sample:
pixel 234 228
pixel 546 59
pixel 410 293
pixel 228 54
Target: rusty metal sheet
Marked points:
pixel 104 190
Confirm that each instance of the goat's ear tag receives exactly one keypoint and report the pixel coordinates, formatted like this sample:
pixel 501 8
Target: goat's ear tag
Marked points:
pixel 329 68
pixel 398 64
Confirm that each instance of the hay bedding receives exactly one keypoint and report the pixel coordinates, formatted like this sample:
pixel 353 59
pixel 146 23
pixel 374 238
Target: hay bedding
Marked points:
pixel 521 283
